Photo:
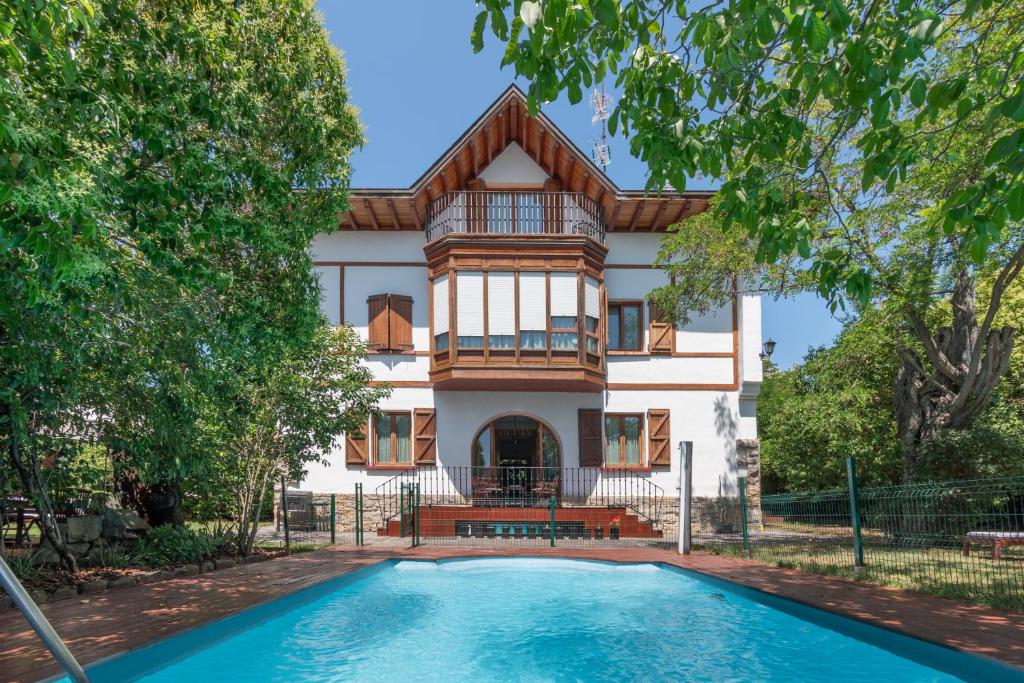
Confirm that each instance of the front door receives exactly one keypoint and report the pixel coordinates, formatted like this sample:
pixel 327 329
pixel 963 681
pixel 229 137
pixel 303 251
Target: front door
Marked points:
pixel 517 442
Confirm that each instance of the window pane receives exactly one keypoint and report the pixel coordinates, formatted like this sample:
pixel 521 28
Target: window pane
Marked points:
pixel 614 321
pixel 591 322
pixel 403 432
pixel 482 449
pixel 564 341
pixel 533 340
pixel 632 425
pixel 383 432
pixel 564 322
pixel 441 342
pixel 473 342
pixel 502 341
pixel 631 323
pixel 592 346
pixel 612 432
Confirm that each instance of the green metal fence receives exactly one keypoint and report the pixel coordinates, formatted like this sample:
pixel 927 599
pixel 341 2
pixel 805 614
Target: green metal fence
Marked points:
pixel 528 507
pixel 958 539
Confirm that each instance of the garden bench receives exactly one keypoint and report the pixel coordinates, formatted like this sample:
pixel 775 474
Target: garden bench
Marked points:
pixel 998 539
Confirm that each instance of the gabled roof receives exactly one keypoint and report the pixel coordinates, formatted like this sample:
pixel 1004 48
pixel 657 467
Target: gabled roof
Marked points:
pixel 503 123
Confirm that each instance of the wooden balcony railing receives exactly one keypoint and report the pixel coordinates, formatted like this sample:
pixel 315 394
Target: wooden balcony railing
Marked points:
pixel 494 212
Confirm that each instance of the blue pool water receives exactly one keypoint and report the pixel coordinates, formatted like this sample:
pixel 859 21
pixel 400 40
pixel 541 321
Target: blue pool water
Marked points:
pixel 521 619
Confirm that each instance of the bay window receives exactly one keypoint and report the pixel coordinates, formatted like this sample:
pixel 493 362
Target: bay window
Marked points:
pixel 564 321
pixel 501 310
pixel 441 313
pixel 469 309
pixel 533 311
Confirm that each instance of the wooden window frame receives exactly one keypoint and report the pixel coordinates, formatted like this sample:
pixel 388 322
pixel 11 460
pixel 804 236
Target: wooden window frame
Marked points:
pixel 642 465
pixel 394 464
pixel 619 303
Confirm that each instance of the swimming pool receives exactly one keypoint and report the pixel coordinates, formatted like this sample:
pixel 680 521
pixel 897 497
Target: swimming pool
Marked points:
pixel 524 619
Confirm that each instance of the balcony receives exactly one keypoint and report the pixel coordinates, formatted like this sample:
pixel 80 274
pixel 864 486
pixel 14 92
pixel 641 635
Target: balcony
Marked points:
pixel 515 214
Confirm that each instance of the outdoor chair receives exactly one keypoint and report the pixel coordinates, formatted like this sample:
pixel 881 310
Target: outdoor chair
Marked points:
pixel 24 516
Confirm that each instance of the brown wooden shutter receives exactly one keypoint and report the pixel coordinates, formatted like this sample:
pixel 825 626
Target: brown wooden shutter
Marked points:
pixel 591 447
pixel 425 428
pixel 356 448
pixel 400 322
pixel 662 334
pixel 378 327
pixel 659 443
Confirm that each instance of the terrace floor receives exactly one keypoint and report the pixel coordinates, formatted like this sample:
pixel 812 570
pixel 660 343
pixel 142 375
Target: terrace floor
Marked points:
pixel 126 619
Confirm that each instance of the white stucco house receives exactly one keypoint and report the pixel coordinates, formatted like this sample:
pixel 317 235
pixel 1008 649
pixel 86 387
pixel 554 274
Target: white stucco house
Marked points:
pixel 504 297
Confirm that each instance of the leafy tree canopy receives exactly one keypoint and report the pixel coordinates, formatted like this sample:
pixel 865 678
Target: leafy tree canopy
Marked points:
pixel 769 96
pixel 157 162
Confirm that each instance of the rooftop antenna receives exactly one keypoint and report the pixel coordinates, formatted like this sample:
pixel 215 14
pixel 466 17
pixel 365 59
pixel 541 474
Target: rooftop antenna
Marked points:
pixel 601 104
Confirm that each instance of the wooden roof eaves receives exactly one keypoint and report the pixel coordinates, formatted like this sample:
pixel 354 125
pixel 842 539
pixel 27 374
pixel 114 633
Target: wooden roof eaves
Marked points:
pixel 513 92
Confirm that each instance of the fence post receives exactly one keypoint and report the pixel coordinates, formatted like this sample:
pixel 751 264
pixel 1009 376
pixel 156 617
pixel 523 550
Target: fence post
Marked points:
pixel 284 516
pixel 743 516
pixel 401 510
pixel 332 519
pixel 685 495
pixel 359 514
pixel 858 547
pixel 416 519
pixel 552 521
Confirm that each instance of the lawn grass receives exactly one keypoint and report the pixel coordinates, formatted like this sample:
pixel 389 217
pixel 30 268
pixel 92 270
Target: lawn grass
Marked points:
pixel 943 572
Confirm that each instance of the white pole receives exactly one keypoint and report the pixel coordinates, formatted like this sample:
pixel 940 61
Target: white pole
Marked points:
pixel 685 494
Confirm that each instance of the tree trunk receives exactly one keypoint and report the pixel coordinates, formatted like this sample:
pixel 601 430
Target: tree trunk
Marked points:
pixel 47 523
pixel 966 365
pixel 158 503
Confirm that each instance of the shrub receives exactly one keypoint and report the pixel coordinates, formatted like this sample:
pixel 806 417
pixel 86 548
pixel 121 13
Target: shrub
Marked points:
pixel 167 544
pixel 23 565
pixel 114 556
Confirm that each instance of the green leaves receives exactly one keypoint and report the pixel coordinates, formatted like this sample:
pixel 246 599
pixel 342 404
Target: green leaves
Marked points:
pixel 815 32
pixel 153 249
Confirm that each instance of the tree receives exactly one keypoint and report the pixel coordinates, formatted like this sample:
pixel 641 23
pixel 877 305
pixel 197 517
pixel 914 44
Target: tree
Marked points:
pixel 290 414
pixel 150 154
pixel 868 151
pixel 835 404
pixel 839 402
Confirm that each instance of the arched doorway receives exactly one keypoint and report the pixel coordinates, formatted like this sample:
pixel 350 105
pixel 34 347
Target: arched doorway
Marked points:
pixel 516 460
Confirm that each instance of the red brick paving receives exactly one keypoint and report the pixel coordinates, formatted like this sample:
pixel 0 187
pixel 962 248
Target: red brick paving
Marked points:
pixel 129 618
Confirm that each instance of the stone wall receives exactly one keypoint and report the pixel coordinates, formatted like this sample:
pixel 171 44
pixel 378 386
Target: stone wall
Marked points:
pixel 748 452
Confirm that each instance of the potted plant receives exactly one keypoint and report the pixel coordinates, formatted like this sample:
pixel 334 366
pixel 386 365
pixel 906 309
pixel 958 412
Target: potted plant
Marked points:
pixel 613 528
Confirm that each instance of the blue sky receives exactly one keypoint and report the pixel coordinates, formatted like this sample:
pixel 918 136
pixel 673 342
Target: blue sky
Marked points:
pixel 418 86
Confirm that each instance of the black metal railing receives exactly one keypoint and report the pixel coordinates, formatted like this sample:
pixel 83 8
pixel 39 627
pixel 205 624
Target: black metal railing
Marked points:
pixel 515 213
pixel 527 487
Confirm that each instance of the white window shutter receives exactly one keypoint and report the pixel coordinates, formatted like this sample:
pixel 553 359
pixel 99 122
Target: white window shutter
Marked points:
pixel 592 297
pixel 501 304
pixel 441 304
pixel 563 294
pixel 533 313
pixel 469 304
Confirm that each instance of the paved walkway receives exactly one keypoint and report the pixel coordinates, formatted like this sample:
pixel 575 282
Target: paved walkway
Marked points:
pixel 128 618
